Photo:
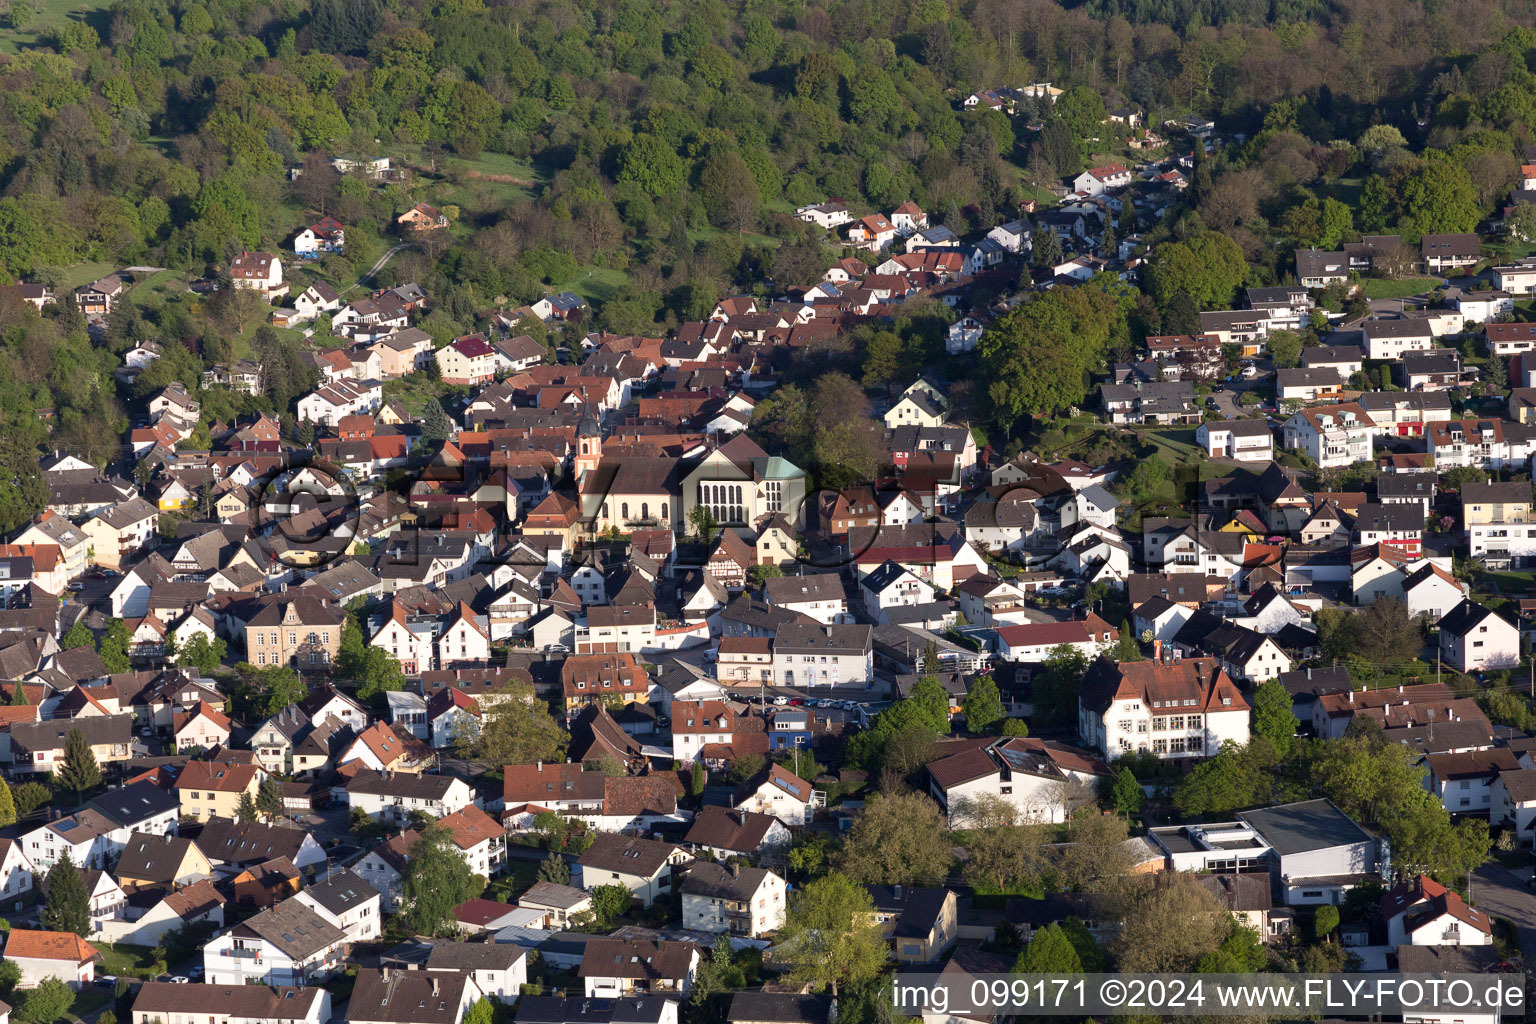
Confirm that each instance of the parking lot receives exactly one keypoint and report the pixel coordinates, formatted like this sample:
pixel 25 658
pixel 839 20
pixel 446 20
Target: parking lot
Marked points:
pixel 839 706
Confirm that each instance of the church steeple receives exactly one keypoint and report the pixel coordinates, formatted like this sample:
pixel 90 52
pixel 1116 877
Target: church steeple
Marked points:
pixel 589 443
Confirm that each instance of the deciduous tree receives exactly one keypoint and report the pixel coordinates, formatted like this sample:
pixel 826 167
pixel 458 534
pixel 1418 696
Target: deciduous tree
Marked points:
pixel 830 938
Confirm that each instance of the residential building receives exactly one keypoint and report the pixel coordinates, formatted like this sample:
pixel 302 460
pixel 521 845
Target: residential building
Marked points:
pixel 643 866
pixel 1180 708
pixel 1041 781
pixel 202 1003
pixel 1475 639
pixel 733 900
pixel 288 944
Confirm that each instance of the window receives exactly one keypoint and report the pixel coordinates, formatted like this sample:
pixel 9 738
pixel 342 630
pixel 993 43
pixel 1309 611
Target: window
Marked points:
pixel 624 510
pixel 293 639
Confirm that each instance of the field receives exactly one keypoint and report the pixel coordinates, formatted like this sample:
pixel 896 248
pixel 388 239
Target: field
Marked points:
pixel 1401 288
pixel 50 15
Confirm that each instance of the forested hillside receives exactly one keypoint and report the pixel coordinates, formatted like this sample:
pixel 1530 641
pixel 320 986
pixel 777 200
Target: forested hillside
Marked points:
pixel 650 154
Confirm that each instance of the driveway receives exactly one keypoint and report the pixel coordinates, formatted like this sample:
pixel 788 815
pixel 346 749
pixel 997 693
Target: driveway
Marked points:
pixel 1505 893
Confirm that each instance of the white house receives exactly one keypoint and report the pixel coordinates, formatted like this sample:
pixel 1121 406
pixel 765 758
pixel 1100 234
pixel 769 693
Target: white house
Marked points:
pixel 259 272
pixel 16 873
pixel 498 969
pixel 1242 440
pixel 1095 181
pixel 1422 912
pixel 643 866
pixel 1463 781
pixel 1513 801
pixel 1040 781
pixel 325 235
pixel 1180 709
pixel 41 955
pixel 733 900
pixel 1392 339
pixel 611 968
pixel 346 901
pixel 1333 436
pixel 1474 639
pixel 1032 642
pixel 287 944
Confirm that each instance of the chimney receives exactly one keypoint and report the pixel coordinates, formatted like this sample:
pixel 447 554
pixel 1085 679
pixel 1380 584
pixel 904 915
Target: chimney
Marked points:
pixel 1309 673
pixel 541 767
pixel 1351 696
pixel 434 986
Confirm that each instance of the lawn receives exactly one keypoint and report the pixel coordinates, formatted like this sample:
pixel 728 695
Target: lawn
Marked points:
pixel 50 15
pixel 1176 444
pixel 73 277
pixel 89 1000
pixel 126 961
pixel 595 284
pixel 1401 288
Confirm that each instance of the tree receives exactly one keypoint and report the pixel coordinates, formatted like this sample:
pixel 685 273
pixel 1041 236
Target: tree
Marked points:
pixel 437 426
pixel 555 868
pixel 1207 268
pixel 78 636
pixel 610 902
pixel 1272 715
pixel 1285 349
pixel 830 938
pixel 1081 109
pixel 202 654
pixel 1324 920
pixel 1049 952
pixel 279 685
pixel 1123 793
pixel 983 705
pixel 79 772
pixel 248 811
pixel 69 903
pixel 1057 684
pixel 352 650
pixel 651 164
pixel 730 192
pixel 437 879
pixel 381 674
pixel 269 799
pixel 882 359
pixel 1169 923
pixel 482 1012
pixel 114 646
pixel 1439 198
pixel 1037 356
pixel 898 840
pixel 697 780
pixel 515 728
pixel 46 1003
pixel 7 805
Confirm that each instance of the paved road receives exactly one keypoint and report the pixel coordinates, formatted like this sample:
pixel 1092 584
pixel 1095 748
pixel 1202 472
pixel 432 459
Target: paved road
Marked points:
pixel 383 260
pixel 1505 893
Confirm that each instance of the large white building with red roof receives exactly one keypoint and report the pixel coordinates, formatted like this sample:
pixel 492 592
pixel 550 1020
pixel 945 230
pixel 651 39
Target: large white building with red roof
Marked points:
pixel 1173 708
pixel 467 361
pixel 1033 642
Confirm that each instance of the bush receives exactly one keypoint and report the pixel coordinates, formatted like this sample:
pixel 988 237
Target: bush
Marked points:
pixel 29 796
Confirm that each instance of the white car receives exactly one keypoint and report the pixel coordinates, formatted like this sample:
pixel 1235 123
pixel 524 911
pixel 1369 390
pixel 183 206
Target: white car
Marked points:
pixel 1250 371
pixel 179 979
pixel 781 700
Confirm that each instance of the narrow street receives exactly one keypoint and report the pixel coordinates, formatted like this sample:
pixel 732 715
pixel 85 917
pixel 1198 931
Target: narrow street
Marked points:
pixel 1505 893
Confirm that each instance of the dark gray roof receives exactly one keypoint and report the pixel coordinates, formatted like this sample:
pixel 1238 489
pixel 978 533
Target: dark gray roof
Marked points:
pixel 474 956
pixel 296 930
pixel 133 804
pixel 578 1010
pixel 778 1007
pixel 341 891
pixel 103 729
pixel 1305 826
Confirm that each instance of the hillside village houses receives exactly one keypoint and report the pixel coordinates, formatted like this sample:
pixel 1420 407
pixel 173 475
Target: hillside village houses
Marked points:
pixel 604 531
